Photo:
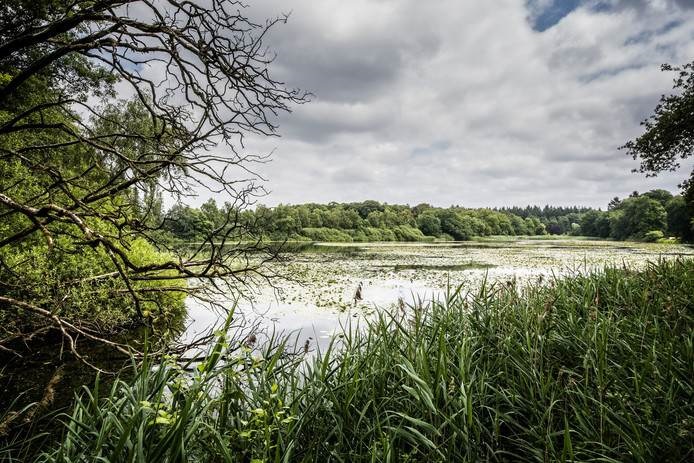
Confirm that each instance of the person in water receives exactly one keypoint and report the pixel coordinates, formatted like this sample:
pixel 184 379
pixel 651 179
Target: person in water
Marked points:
pixel 357 294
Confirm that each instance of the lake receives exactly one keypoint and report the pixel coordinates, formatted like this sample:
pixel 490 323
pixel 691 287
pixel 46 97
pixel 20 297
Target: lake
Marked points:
pixel 313 295
pixel 316 296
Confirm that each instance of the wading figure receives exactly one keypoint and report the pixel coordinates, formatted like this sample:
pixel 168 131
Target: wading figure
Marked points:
pixel 357 293
pixel 401 304
pixel 250 341
pixel 401 300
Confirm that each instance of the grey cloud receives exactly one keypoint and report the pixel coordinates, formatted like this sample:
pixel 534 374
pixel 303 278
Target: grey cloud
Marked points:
pixel 643 4
pixel 581 157
pixel 575 56
pixel 649 34
pixel 320 122
pixel 351 65
pixel 608 72
pixel 339 71
pixel 433 148
pixel 352 174
pixel 453 103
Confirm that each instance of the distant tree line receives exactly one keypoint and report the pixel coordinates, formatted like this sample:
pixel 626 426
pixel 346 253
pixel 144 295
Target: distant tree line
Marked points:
pixel 651 216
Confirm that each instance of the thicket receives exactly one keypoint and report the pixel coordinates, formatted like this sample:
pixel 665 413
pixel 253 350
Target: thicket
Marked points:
pixel 90 145
pixel 593 367
pixel 56 271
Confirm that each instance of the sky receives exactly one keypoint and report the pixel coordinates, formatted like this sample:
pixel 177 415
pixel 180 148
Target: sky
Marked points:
pixel 478 104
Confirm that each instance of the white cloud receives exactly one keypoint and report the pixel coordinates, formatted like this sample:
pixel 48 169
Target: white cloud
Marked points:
pixel 495 112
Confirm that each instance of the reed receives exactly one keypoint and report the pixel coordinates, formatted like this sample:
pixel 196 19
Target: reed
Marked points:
pixel 594 367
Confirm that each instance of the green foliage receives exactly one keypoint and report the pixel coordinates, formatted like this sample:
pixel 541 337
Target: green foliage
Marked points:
pixel 679 219
pixel 326 234
pixel 188 223
pixel 367 221
pixel 590 368
pixel 453 225
pixel 82 172
pixel 669 133
pixel 227 406
pixel 57 270
pixel 636 216
pixel 653 236
pixel 408 233
pixel 429 224
pixel 86 285
pixel 662 196
pixel 595 223
pixel 374 221
pixel 445 237
pixel 372 234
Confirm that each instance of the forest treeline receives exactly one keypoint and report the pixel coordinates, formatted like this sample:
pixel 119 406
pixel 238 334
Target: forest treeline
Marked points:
pixel 652 216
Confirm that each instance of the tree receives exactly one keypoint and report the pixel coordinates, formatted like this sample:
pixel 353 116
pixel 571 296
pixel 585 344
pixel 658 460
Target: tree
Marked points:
pixel 602 225
pixel 662 196
pixel 189 224
pixel 367 207
pixel 614 203
pixel 519 227
pixel 637 216
pixel 669 132
pixel 82 172
pixel 454 224
pixel 679 221
pixel 421 208
pixel 535 227
pixel 589 223
pixel 212 212
pixel 429 224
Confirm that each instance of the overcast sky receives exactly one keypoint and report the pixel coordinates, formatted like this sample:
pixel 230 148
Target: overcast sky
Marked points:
pixel 476 103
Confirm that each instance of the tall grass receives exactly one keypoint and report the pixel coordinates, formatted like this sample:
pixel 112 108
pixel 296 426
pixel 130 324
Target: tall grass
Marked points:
pixel 589 368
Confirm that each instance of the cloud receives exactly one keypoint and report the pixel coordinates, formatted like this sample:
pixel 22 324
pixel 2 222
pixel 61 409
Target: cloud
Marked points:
pixel 543 14
pixel 467 103
pixel 320 121
pixel 643 4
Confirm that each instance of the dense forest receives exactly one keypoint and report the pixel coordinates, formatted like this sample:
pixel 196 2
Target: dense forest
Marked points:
pixel 652 216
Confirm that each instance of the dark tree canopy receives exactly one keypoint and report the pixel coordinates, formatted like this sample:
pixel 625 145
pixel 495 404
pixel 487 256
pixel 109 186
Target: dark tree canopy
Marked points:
pixel 669 132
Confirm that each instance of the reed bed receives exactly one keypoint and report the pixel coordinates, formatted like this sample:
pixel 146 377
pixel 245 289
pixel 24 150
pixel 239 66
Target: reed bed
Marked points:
pixel 593 367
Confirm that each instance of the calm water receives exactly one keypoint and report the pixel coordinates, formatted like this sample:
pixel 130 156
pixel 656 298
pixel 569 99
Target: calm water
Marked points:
pixel 320 296
pixel 317 297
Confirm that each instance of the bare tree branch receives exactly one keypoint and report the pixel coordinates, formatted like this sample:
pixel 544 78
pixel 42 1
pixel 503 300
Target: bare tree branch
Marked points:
pixel 84 170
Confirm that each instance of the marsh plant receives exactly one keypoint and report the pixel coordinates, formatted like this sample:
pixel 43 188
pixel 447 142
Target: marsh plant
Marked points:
pixel 594 367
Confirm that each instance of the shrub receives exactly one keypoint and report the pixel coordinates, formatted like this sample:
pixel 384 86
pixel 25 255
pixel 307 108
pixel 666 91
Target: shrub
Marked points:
pixel 669 240
pixel 653 236
pixel 91 298
pixel 408 233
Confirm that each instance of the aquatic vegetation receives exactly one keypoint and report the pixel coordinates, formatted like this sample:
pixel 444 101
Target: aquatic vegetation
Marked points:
pixel 444 267
pixel 324 276
pixel 590 367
